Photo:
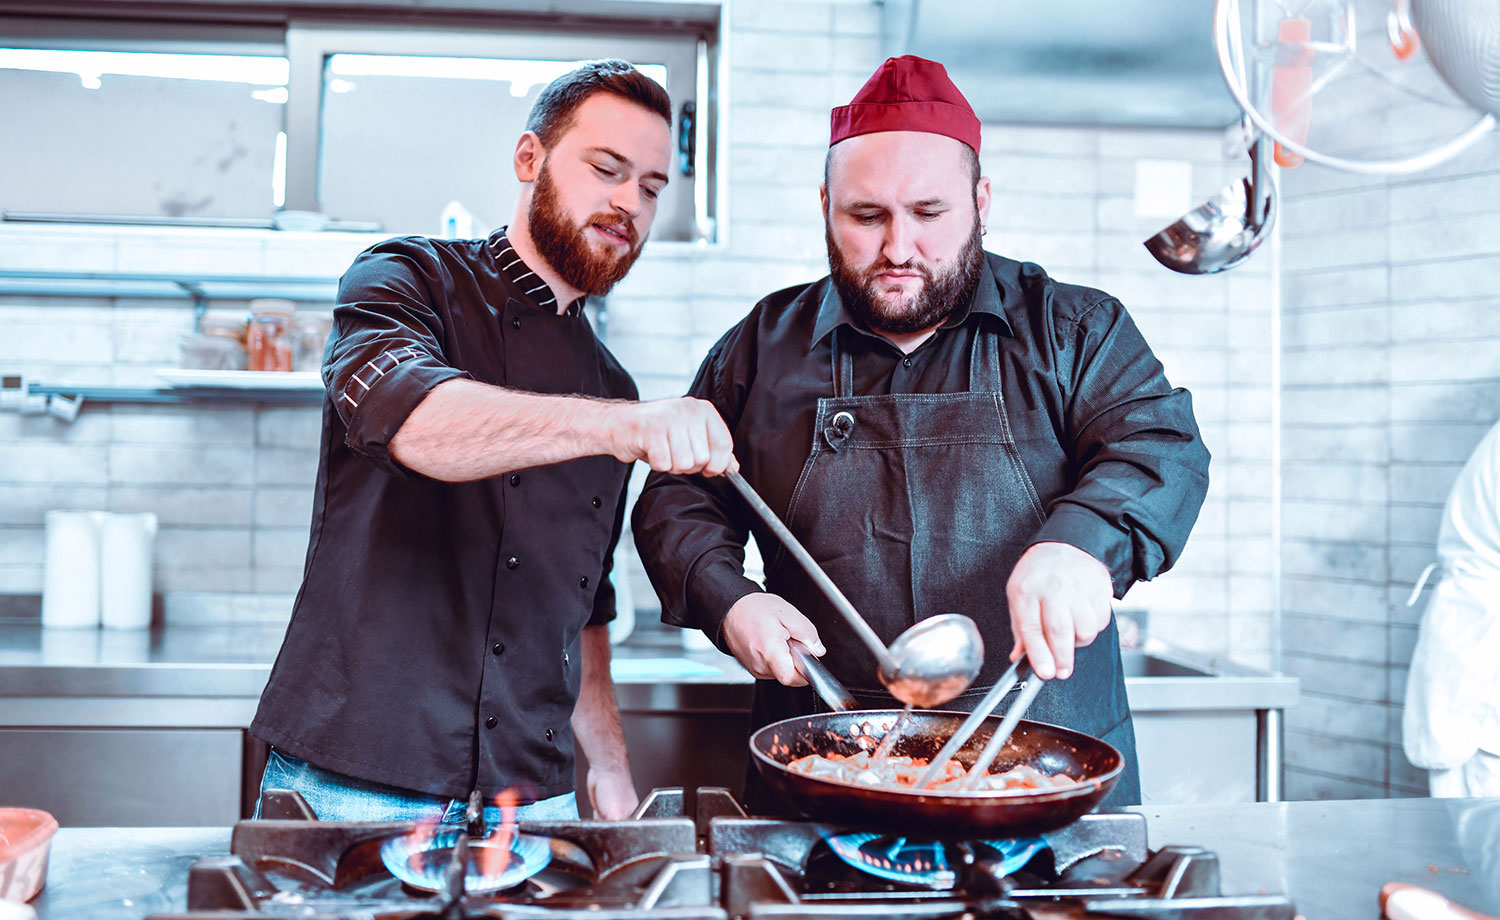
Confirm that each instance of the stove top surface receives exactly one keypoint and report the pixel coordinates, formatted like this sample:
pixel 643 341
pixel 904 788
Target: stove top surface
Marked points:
pixel 698 855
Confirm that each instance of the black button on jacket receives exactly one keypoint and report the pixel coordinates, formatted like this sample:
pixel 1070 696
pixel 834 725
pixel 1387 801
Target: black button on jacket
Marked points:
pixel 1111 447
pixel 386 673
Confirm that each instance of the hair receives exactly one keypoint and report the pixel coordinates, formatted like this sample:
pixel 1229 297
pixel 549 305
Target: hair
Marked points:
pixel 552 113
pixel 971 159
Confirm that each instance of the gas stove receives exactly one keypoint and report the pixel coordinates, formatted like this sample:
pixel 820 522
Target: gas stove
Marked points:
pixel 690 855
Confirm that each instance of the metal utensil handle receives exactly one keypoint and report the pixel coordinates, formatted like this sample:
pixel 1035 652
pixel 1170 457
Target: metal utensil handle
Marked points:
pixel 1002 734
pixel 819 577
pixel 966 731
pixel 822 680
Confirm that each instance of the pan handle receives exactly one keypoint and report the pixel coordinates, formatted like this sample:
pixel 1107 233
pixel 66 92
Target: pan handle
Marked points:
pixel 827 686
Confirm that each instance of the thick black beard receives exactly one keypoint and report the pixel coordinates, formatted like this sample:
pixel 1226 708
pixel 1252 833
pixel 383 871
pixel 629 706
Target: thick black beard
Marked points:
pixel 563 244
pixel 939 297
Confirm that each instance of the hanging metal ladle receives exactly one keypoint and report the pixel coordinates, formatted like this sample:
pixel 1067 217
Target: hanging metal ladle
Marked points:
pixel 1223 231
pixel 928 664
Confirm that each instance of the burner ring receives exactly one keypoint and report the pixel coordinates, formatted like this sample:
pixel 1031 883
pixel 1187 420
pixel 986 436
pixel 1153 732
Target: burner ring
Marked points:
pixel 926 862
pixel 421 863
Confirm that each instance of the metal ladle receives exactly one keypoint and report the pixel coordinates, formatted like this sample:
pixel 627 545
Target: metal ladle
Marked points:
pixel 1222 232
pixel 928 664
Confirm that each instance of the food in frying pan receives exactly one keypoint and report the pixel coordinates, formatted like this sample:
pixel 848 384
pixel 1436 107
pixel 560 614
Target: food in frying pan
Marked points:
pixel 903 772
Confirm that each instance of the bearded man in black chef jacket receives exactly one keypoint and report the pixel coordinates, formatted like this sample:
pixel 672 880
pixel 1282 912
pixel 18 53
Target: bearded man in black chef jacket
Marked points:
pixel 947 430
pixel 477 442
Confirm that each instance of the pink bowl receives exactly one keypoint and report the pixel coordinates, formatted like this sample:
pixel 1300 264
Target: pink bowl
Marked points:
pixel 25 841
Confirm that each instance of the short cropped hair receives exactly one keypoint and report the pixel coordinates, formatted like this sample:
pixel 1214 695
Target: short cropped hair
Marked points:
pixel 552 113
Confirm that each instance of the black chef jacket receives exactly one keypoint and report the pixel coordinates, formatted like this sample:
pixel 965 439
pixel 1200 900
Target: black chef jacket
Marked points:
pixel 434 643
pixel 1110 445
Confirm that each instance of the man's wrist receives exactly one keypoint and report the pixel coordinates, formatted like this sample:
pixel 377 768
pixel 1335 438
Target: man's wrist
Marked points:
pixel 1085 530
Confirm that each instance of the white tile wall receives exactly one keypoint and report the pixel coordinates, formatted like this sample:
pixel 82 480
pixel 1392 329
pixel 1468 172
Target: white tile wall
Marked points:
pixel 1393 373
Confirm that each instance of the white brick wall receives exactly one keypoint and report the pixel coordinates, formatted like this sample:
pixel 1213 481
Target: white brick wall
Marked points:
pixel 1392 374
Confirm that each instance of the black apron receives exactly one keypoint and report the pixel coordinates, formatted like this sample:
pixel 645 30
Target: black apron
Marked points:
pixel 915 505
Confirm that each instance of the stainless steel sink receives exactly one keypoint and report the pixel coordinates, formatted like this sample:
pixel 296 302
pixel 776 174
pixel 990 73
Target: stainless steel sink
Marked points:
pixel 1140 664
pixel 1206 731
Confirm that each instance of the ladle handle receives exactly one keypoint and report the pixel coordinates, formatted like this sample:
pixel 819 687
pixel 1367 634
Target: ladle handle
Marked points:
pixel 822 680
pixel 815 571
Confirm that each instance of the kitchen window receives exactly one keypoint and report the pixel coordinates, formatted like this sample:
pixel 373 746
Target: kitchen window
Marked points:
pixel 141 126
pixel 396 128
pixel 409 124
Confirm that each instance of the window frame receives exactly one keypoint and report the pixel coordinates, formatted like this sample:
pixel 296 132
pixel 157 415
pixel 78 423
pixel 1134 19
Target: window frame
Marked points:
pixel 306 43
pixel 310 43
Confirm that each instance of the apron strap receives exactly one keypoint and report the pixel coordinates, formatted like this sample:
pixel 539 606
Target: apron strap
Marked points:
pixel 843 368
pixel 984 361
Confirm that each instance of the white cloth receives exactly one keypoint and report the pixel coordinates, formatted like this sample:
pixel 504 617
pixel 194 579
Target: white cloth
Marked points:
pixel 1453 691
pixel 1477 777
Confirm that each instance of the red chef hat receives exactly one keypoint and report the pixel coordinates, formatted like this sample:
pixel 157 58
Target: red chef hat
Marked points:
pixel 907 93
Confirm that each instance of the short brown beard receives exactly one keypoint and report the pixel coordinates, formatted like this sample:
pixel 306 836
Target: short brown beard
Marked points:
pixel 563 244
pixel 939 297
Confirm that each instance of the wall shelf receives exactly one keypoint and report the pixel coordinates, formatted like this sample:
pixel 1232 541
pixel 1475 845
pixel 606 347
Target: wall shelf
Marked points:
pixel 175 285
pixel 199 289
pixel 177 395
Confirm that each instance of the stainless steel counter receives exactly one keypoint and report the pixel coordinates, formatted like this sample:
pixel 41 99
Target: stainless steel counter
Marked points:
pixel 112 873
pixel 212 676
pixel 1330 857
pixel 72 699
pixel 226 663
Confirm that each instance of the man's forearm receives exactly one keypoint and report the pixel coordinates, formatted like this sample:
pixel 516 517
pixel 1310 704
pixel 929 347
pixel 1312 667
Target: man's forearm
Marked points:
pixel 596 718
pixel 465 430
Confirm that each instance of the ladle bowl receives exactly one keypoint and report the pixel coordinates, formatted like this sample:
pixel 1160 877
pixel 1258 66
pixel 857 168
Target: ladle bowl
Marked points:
pixel 1223 231
pixel 936 660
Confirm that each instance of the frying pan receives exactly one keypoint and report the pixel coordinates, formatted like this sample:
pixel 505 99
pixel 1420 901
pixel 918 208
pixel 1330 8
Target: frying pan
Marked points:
pixel 1047 748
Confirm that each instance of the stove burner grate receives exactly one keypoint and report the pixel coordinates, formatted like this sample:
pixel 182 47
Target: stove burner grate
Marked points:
pixel 422 862
pixel 928 863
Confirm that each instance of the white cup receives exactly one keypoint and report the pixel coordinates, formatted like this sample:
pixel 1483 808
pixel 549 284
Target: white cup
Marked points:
pixel 70 584
pixel 126 545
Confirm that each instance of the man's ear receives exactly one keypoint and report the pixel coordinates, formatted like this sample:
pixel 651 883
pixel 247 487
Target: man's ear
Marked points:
pixel 982 199
pixel 823 198
pixel 529 156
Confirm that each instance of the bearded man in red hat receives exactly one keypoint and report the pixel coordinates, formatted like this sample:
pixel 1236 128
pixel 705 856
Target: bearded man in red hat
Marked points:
pixel 945 429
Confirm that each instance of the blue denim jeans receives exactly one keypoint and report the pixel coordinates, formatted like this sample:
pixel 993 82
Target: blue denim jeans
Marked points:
pixel 336 797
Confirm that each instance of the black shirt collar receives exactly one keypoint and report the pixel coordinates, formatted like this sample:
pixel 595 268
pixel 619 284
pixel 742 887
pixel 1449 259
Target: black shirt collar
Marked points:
pixel 987 300
pixel 521 275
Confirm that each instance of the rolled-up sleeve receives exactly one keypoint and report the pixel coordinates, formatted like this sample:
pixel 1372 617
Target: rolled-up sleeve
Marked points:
pixel 691 543
pixel 1142 465
pixel 385 353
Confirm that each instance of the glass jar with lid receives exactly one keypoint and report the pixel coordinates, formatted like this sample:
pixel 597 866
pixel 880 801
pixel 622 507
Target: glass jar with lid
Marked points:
pixel 269 337
pixel 219 343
